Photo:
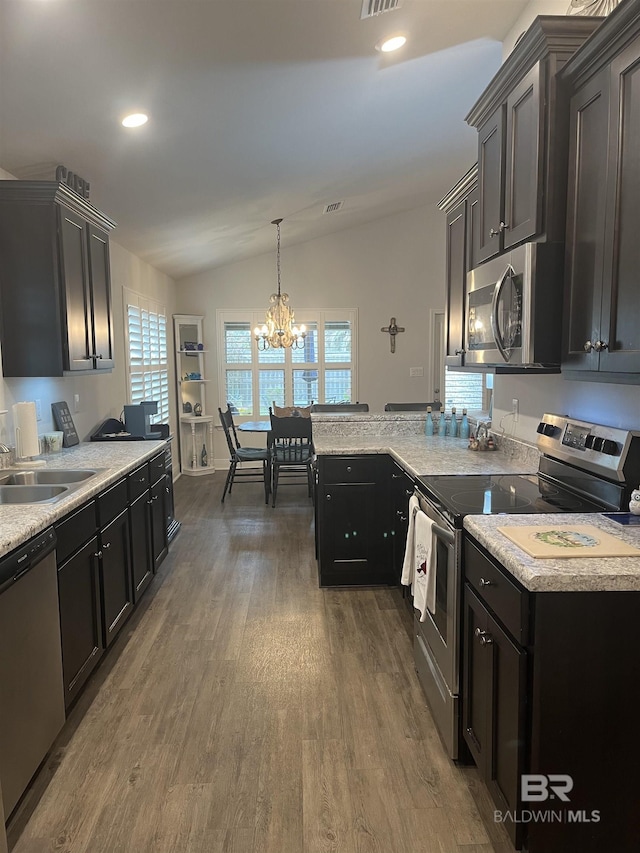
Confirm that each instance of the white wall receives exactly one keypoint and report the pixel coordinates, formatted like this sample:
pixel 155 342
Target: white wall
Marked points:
pixel 535 8
pixel 100 396
pixel 392 267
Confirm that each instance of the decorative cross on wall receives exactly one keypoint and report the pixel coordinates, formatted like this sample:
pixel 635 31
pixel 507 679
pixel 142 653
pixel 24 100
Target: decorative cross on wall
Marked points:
pixel 392 330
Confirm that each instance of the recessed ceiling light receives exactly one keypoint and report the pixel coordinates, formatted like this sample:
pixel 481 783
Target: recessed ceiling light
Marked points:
pixel 388 44
pixel 135 120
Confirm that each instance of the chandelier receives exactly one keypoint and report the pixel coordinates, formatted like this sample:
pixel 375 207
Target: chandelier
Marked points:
pixel 279 329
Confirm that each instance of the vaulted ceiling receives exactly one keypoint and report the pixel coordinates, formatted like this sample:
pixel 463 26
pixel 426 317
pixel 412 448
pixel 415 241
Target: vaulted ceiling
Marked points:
pixel 258 109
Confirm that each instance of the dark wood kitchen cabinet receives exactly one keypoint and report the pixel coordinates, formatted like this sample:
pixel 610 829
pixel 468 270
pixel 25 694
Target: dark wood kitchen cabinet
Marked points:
pixel 461 208
pixel 548 688
pixel 401 489
pixel 140 523
pixel 602 306
pixel 79 594
pixel 353 517
pixel 54 281
pixel 114 559
pixel 158 500
pixel 522 138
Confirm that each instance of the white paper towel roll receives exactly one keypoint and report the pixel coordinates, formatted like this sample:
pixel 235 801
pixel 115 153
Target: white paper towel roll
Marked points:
pixel 26 428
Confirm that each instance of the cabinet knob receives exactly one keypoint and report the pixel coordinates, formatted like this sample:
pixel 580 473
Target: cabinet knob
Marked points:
pixel 393 476
pixel 587 346
pixel 149 502
pixel 402 517
pixel 484 638
pixel 599 346
pixel 408 492
pixel 98 554
pixel 348 469
pixel 494 233
pixel 106 546
pixel 399 513
pixel 484 582
pixel 328 497
pixel 460 351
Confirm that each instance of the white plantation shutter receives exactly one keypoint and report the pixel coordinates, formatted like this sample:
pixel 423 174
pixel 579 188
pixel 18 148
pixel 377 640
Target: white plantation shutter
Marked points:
pixel 146 324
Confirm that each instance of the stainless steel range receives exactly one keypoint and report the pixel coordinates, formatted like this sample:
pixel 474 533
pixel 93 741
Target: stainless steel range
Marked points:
pixel 585 467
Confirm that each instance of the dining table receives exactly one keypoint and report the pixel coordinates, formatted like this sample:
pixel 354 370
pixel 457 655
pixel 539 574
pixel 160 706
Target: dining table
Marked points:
pixel 255 426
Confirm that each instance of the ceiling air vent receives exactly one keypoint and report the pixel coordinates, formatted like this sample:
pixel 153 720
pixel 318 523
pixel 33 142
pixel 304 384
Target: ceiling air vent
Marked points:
pixel 334 207
pixel 371 8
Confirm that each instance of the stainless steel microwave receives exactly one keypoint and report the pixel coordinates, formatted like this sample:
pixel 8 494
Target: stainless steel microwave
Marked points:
pixel 514 309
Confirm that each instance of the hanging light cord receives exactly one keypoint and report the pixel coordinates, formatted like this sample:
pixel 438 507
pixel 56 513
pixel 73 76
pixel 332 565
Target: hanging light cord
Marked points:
pixel 277 222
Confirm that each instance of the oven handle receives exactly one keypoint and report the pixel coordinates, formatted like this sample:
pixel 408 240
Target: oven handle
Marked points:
pixel 494 312
pixel 441 533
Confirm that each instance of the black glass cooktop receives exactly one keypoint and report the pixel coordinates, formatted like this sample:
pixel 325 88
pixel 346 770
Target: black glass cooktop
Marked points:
pixel 488 494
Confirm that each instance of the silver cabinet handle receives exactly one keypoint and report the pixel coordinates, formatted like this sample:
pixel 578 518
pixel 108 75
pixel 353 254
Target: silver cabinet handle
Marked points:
pixel 98 554
pixel 106 546
pixel 599 346
pixel 328 497
pixel 460 351
pixel 484 638
pixel 348 469
pixel 587 346
pixel 484 582
pixel 408 492
pixel 494 233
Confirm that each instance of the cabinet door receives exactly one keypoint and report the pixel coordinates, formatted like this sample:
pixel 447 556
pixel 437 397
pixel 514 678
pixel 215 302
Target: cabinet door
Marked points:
pixel 141 562
pixel 100 277
pixel 401 491
pixel 523 160
pixel 80 618
pixel 473 229
pixel 158 523
pixel 456 248
pixel 490 185
pixel 619 340
pixel 589 115
pixel 75 288
pixel 476 679
pixel 115 568
pixel 350 543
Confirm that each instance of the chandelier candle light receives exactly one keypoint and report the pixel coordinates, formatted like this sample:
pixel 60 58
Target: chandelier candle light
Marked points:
pixel 279 329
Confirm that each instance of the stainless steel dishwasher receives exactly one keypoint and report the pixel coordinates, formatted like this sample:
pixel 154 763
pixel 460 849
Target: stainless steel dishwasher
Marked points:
pixel 31 686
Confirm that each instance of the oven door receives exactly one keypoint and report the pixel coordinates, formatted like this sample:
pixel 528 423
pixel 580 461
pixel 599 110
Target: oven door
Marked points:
pixel 441 629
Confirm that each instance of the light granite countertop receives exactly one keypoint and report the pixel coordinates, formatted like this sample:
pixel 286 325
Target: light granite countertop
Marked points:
pixel 575 574
pixel 419 454
pixel 112 459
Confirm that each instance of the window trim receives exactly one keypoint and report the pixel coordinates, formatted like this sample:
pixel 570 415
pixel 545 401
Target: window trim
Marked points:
pixel 255 317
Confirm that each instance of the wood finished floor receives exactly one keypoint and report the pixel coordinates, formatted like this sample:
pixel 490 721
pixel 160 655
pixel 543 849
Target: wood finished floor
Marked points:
pixel 245 710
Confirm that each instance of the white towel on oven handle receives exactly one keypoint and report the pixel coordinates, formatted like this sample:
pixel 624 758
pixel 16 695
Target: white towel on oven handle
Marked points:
pixel 407 566
pixel 424 580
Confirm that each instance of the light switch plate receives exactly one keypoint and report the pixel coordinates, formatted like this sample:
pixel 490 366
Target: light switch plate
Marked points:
pixel 416 371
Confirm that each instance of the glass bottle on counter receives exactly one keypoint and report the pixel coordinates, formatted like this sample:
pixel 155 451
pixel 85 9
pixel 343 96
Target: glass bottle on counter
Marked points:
pixel 428 427
pixel 453 423
pixel 442 424
pixel 464 425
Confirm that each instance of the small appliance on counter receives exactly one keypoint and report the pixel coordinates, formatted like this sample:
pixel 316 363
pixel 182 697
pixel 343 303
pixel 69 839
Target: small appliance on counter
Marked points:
pixel 137 425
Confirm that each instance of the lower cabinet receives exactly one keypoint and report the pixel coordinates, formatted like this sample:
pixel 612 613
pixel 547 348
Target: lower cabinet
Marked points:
pixel 549 709
pixel 115 575
pixel 493 710
pixel 158 523
pixel 80 617
pixel 354 521
pixel 401 489
pixel 141 561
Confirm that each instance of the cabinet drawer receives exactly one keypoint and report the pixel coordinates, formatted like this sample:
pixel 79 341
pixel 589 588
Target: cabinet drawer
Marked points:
pixel 138 482
pixel 156 467
pixel 75 530
pixel 502 596
pixel 112 502
pixel 350 469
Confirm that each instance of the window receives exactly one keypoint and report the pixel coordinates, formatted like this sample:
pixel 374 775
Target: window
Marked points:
pixel 464 390
pixel 322 371
pixel 146 351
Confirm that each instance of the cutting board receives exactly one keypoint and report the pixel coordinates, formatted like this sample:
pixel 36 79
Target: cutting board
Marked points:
pixel 559 541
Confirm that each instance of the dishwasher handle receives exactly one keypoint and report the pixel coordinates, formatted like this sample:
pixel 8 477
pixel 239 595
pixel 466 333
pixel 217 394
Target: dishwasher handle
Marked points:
pixel 16 564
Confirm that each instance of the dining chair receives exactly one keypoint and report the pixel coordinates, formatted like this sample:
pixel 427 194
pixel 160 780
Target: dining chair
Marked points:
pixel 240 454
pixel 412 407
pixel 292 411
pixel 340 407
pixel 291 447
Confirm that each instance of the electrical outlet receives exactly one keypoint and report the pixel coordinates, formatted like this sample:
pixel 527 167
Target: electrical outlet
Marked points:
pixel 416 371
pixel 38 410
pixel 76 403
pixel 515 408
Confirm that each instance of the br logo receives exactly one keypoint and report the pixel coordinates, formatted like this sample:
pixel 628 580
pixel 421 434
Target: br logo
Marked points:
pixel 536 787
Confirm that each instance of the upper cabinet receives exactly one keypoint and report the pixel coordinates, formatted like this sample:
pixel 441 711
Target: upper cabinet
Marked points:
pixel 55 281
pixel 522 139
pixel 602 333
pixel 461 208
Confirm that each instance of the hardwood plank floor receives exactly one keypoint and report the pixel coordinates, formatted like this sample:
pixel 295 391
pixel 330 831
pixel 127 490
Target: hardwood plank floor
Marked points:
pixel 245 710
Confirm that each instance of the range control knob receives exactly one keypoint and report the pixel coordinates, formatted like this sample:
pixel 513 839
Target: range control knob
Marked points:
pixel 588 442
pixel 540 427
pixel 549 429
pixel 610 447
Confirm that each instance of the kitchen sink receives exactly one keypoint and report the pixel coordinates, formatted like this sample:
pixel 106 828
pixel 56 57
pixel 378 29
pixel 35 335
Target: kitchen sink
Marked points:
pixel 31 494
pixel 44 477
